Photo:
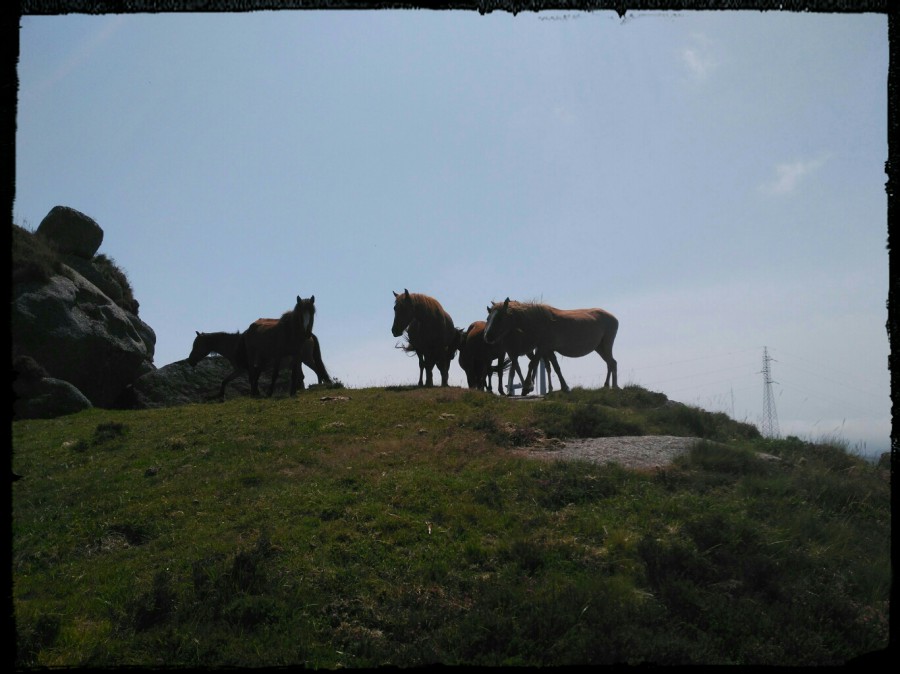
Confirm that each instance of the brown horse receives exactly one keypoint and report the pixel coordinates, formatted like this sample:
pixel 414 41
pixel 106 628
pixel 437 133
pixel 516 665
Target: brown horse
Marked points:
pixel 570 332
pixel 268 340
pixel 515 343
pixel 430 332
pixel 227 345
pixel 476 358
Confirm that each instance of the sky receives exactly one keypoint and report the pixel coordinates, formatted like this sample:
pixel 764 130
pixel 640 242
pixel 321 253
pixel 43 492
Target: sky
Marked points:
pixel 715 179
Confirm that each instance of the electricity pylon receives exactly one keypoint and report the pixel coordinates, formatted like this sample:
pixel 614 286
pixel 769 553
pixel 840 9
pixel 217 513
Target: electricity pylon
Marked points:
pixel 770 415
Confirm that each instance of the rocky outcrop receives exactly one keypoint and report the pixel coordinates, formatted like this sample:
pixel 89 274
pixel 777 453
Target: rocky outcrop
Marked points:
pixel 178 384
pixel 77 340
pixel 71 232
pixel 77 321
pixel 80 335
pixel 40 396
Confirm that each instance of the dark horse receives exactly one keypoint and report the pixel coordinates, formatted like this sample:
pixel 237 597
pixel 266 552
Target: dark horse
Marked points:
pixel 430 332
pixel 268 340
pixel 514 344
pixel 227 345
pixel 476 358
pixel 570 332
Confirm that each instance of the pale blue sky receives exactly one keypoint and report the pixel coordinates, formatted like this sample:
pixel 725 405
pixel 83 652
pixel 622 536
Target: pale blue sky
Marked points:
pixel 715 179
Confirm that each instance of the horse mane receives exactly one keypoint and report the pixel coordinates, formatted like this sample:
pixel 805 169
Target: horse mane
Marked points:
pixel 529 310
pixel 430 305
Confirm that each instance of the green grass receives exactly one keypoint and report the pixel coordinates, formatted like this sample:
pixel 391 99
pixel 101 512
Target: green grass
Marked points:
pixel 395 527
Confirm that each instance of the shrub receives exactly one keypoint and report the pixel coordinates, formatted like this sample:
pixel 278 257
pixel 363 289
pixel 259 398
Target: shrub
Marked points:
pixel 33 257
pixel 593 421
pixel 108 268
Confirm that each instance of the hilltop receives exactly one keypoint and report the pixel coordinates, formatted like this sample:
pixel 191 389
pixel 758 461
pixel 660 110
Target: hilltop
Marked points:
pixel 400 527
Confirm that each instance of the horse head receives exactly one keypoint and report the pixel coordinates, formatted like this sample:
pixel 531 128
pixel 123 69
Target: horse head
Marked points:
pixel 498 323
pixel 457 341
pixel 403 313
pixel 198 350
pixel 305 314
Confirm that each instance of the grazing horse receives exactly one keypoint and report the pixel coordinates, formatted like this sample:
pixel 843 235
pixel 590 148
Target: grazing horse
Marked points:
pixel 570 332
pixel 430 332
pixel 227 345
pixel 269 340
pixel 476 358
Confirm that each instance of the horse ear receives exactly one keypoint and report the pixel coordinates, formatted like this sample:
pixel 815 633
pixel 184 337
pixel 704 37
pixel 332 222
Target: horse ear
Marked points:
pixel 506 303
pixel 406 293
pixel 198 332
pixel 395 294
pixel 312 299
pixel 298 299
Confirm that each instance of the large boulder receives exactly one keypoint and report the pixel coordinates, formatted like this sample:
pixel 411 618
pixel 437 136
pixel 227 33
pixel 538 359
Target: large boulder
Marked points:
pixel 39 396
pixel 178 384
pixel 71 232
pixel 80 335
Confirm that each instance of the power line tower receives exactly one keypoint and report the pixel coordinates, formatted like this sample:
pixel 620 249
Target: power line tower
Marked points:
pixel 770 415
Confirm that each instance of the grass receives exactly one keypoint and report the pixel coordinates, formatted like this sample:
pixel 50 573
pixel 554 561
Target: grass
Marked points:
pixel 393 527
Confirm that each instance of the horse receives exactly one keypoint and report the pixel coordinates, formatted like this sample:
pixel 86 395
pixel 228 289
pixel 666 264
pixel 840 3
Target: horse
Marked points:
pixel 430 331
pixel 227 345
pixel 570 332
pixel 269 340
pixel 516 344
pixel 476 358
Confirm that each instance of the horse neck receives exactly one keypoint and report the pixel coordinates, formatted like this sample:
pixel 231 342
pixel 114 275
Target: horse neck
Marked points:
pixel 224 343
pixel 521 335
pixel 429 314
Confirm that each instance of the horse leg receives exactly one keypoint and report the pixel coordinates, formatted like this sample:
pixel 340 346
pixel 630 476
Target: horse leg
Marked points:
pixel 562 382
pixel 274 377
pixel 253 372
pixel 444 369
pixel 296 376
pixel 428 364
pixel 526 384
pixel 234 373
pixel 612 367
pixel 314 362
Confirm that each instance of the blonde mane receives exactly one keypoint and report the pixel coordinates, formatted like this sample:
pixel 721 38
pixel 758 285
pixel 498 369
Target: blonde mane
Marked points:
pixel 428 305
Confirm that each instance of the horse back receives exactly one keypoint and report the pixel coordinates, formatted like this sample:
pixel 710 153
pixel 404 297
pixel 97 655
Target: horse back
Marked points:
pixel 576 332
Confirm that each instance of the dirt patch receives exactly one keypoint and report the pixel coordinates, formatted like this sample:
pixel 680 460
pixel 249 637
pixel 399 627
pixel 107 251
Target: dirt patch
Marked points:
pixel 641 452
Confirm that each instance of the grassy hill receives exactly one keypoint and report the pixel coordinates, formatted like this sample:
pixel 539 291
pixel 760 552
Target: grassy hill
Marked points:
pixel 371 527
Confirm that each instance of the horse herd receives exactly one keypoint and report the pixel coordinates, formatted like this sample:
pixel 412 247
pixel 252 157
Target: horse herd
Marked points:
pixel 512 329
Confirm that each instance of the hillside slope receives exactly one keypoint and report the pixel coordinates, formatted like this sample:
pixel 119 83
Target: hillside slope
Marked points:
pixel 373 527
